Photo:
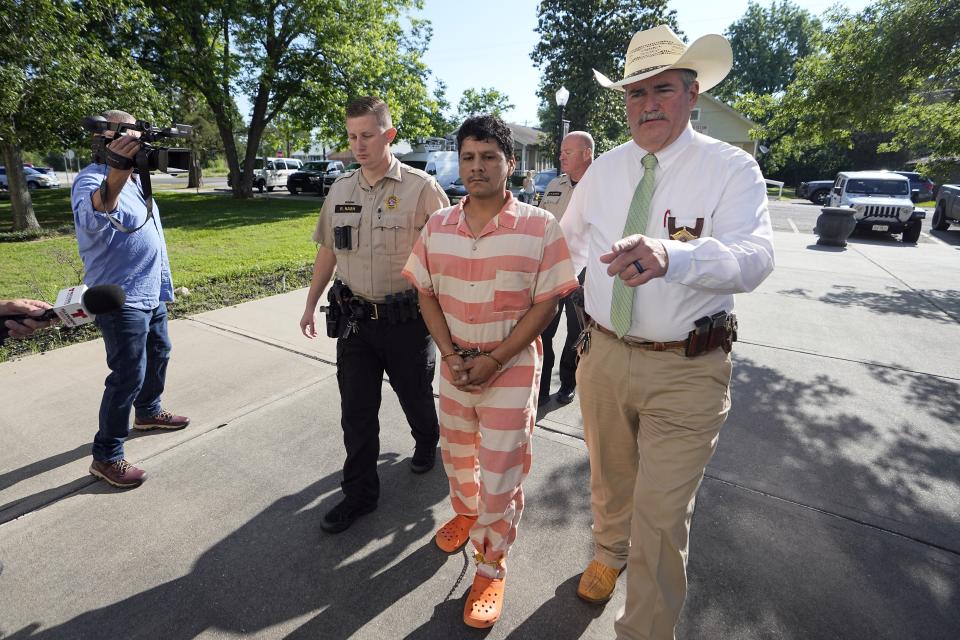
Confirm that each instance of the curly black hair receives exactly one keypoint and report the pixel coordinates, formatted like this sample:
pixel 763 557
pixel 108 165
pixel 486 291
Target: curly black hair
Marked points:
pixel 487 127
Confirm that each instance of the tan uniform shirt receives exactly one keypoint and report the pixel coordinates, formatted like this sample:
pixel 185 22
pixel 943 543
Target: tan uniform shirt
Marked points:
pixel 385 220
pixel 557 195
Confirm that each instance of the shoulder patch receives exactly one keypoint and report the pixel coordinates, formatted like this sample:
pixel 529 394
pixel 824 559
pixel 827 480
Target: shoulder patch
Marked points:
pixel 411 171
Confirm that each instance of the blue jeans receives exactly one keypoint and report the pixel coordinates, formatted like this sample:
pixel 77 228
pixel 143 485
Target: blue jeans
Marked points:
pixel 138 350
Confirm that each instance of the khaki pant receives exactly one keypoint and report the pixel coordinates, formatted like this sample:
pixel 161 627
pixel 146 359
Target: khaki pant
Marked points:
pixel 651 422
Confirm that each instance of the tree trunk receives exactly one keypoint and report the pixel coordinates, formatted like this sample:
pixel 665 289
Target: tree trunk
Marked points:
pixel 195 175
pixel 20 201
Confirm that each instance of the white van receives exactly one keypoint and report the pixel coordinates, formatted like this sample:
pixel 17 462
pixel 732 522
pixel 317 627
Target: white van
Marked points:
pixel 276 173
pixel 442 165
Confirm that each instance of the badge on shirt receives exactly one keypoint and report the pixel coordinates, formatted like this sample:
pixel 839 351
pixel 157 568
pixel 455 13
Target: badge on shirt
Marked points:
pixel 347 208
pixel 392 202
pixel 554 193
pixel 681 233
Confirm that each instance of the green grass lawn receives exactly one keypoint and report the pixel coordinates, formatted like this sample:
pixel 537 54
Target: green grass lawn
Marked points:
pixel 208 237
pixel 789 193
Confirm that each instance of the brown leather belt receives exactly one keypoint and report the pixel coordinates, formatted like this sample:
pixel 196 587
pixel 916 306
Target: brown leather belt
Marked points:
pixel 710 332
pixel 680 345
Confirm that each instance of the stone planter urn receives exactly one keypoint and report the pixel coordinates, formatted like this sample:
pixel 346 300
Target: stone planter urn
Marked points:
pixel 834 226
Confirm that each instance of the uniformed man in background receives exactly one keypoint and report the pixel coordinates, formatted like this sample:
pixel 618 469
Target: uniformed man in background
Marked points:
pixel 576 154
pixel 366 230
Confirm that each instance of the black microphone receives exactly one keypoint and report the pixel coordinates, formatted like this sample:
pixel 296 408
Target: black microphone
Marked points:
pixel 75 306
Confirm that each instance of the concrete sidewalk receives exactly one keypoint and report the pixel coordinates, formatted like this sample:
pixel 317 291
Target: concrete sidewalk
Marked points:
pixel 829 510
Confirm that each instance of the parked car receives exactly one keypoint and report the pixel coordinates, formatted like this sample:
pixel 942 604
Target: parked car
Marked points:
pixel 274 175
pixel 35 179
pixel 316 176
pixel 46 170
pixel 922 188
pixel 442 165
pixel 540 182
pixel 948 207
pixel 456 191
pixel 816 191
pixel 881 202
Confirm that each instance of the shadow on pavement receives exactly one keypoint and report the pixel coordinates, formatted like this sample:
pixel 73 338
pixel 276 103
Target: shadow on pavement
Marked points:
pixel 16 508
pixel 950 236
pixel 776 569
pixel 563 617
pixel 280 566
pixel 941 305
pixel 826 248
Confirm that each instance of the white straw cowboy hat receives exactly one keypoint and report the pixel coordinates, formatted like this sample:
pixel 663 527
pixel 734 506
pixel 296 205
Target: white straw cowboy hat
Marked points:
pixel 659 49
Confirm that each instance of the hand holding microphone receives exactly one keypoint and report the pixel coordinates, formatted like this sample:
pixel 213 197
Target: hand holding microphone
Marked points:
pixel 75 306
pixel 30 314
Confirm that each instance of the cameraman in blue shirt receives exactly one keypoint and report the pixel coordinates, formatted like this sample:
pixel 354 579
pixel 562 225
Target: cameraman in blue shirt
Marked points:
pixel 121 242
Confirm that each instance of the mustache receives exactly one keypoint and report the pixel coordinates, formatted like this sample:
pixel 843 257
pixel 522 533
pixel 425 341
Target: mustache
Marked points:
pixel 653 115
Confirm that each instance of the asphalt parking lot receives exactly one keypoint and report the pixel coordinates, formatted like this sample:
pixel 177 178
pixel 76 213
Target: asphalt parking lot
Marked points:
pixel 800 216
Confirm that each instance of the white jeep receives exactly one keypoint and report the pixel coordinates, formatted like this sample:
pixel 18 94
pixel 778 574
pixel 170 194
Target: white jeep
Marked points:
pixel 881 202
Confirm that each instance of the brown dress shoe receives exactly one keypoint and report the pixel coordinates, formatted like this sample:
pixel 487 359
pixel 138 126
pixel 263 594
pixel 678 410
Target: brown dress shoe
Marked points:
pixel 597 583
pixel 163 420
pixel 119 473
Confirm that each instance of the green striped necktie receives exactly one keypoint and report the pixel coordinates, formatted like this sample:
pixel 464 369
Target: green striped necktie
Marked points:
pixel 621 308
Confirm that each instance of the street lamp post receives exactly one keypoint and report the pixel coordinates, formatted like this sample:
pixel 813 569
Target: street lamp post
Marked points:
pixel 562 96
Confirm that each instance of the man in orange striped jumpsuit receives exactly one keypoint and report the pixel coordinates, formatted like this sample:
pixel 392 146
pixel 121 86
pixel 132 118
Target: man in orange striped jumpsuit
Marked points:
pixel 489 271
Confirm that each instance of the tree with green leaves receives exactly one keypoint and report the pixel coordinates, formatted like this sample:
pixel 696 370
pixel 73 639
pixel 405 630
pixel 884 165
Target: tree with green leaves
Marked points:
pixel 52 76
pixel 285 135
pixel 577 37
pixel 441 123
pixel 302 58
pixel 767 42
pixel 486 100
pixel 891 71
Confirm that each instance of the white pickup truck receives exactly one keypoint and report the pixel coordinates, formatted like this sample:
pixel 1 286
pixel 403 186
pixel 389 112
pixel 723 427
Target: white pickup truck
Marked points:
pixel 948 207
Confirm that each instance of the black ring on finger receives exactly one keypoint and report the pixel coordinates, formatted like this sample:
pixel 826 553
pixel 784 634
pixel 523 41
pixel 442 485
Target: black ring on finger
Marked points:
pixel 636 264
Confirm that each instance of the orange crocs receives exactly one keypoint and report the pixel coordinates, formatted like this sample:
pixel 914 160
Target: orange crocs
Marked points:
pixel 452 536
pixel 484 603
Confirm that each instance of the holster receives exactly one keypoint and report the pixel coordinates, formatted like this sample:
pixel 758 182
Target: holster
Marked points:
pixel 336 297
pixel 710 332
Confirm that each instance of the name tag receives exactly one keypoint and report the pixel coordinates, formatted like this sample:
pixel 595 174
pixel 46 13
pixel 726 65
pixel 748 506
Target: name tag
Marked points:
pixel 347 208
pixel 555 193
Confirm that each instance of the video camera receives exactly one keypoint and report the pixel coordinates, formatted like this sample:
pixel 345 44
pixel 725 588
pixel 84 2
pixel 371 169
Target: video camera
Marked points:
pixel 150 157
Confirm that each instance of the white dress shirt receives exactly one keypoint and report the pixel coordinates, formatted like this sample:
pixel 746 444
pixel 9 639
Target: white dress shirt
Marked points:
pixel 697 177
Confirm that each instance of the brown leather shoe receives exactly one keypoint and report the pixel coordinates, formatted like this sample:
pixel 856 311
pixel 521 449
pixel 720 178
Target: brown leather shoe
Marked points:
pixel 119 473
pixel 597 583
pixel 163 420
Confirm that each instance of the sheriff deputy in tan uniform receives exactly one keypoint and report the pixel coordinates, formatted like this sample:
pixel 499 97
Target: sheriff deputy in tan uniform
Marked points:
pixel 576 154
pixel 367 227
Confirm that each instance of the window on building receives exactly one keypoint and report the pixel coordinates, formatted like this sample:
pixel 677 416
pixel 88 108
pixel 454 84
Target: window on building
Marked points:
pixel 695 115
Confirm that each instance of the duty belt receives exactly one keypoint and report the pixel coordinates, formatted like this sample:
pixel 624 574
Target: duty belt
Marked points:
pixel 399 307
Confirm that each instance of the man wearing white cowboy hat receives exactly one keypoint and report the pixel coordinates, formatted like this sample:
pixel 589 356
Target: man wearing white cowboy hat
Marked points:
pixel 669 226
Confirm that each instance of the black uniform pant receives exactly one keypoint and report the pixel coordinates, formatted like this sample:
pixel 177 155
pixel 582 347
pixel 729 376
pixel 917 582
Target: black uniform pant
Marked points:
pixel 568 357
pixel 407 354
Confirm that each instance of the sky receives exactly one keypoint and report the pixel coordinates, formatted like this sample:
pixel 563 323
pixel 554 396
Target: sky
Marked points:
pixel 490 47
